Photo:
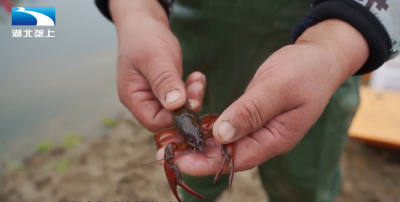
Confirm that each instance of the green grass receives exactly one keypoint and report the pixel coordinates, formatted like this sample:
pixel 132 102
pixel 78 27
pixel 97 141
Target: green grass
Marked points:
pixel 109 122
pixel 71 141
pixel 44 146
pixel 62 166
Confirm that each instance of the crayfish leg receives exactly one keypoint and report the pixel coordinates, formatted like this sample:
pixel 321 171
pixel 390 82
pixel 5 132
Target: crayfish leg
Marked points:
pixel 172 171
pixel 164 135
pixel 227 151
pixel 207 121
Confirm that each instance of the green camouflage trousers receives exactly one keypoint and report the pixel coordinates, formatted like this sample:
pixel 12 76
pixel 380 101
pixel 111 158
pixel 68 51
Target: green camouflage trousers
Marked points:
pixel 228 40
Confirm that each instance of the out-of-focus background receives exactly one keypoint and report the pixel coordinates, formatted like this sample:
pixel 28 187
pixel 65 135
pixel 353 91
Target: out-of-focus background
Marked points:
pixel 64 135
pixel 52 87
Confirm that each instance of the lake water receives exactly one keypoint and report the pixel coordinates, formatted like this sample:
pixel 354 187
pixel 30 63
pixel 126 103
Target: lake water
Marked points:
pixel 50 87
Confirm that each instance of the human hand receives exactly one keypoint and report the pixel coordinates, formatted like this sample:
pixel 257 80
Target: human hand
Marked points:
pixel 284 99
pixel 150 64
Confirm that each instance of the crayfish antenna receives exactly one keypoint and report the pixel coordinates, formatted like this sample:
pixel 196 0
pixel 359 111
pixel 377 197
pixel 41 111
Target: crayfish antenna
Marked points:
pixel 146 164
pixel 166 158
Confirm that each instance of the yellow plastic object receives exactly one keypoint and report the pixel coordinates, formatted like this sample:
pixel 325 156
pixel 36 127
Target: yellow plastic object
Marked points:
pixel 366 79
pixel 377 120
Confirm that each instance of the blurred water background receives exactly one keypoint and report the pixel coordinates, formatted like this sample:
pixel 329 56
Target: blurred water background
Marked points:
pixel 52 87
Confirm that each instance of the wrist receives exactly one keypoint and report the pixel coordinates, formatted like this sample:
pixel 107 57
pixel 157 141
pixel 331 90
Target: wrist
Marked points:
pixel 140 10
pixel 344 48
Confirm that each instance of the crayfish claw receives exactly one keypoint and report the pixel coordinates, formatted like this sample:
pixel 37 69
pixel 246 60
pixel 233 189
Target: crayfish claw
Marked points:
pixel 188 189
pixel 220 170
pixel 227 151
pixel 172 171
pixel 175 179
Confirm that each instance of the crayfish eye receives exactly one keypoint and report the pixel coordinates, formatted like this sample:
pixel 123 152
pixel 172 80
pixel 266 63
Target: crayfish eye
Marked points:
pixel 201 136
pixel 191 140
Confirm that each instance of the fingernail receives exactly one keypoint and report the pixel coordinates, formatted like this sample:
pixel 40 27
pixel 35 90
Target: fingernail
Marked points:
pixel 173 96
pixel 226 131
pixel 193 103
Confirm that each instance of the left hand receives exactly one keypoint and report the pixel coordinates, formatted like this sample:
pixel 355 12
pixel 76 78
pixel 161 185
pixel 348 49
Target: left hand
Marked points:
pixel 284 99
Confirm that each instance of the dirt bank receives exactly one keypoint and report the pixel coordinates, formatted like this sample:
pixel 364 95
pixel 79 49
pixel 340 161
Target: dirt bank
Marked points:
pixel 99 170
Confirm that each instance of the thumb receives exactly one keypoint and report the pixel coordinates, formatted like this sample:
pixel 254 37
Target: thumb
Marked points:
pixel 161 66
pixel 166 84
pixel 250 112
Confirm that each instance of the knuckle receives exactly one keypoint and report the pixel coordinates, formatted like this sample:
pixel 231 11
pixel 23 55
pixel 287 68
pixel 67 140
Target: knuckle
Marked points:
pixel 161 81
pixel 251 115
pixel 282 132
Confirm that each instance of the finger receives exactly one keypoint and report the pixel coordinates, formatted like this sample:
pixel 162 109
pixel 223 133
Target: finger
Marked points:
pixel 196 94
pixel 196 77
pixel 136 94
pixel 162 73
pixel 195 89
pixel 195 105
pixel 252 110
pixel 166 85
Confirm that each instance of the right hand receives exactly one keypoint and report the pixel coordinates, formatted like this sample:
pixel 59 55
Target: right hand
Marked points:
pixel 150 64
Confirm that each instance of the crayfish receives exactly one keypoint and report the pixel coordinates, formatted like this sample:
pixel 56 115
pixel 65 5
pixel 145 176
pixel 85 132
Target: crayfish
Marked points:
pixel 194 131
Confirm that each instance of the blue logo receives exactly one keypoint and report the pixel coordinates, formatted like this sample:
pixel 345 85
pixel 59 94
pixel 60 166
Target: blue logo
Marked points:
pixel 33 16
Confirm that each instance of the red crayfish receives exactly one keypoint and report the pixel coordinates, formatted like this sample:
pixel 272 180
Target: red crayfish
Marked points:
pixel 194 131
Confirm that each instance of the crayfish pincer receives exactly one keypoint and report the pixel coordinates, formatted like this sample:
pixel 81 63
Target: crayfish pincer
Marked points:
pixel 194 132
